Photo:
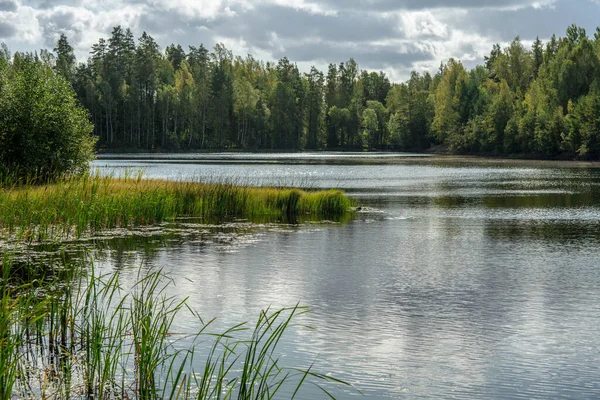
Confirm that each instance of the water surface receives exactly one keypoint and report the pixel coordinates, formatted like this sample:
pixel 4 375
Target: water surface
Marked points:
pixel 454 281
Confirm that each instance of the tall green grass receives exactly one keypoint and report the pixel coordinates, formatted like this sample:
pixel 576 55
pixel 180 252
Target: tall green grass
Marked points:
pixel 77 206
pixel 77 334
pixel 9 338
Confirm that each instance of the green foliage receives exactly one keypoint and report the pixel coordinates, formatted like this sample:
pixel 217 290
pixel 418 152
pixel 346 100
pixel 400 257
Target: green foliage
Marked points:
pixel 540 102
pixel 287 111
pixel 44 132
pixel 370 125
pixel 315 114
pixel 374 117
pixel 92 203
pixel 141 98
pixel 537 101
pixel 65 58
pixel 448 96
pixel 584 137
pixel 77 334
pixel 515 66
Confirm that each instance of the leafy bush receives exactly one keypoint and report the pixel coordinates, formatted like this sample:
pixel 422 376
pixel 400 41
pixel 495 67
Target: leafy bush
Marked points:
pixel 44 132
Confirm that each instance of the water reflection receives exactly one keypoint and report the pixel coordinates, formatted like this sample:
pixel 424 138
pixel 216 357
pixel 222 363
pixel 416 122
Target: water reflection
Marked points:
pixel 455 281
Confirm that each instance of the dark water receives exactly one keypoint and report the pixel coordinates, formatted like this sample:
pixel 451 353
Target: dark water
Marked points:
pixel 456 282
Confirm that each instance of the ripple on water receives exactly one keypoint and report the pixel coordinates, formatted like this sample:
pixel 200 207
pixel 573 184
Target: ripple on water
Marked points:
pixel 451 282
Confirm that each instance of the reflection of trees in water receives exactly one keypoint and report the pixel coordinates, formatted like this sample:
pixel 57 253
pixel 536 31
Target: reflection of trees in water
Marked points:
pixel 141 245
pixel 446 293
pixel 576 232
pixel 544 200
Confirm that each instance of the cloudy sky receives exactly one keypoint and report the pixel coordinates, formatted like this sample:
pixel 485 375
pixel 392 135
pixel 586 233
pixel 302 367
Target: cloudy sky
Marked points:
pixel 395 36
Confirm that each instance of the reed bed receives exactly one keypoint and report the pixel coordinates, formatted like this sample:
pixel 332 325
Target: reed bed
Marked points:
pixel 77 334
pixel 76 206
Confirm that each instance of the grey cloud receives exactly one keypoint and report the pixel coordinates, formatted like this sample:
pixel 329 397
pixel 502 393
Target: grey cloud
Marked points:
pixel 528 23
pixel 372 57
pixel 391 5
pixel 59 21
pixel 171 27
pixel 7 30
pixel 308 37
pixel 292 23
pixel 49 4
pixel 285 22
pixel 8 5
pixel 304 36
pixel 46 4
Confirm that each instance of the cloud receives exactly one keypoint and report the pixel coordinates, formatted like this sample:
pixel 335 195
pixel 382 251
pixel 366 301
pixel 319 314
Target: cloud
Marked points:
pixel 8 5
pixel 391 35
pixel 504 25
pixel 23 26
pixel 395 5
pixel 7 30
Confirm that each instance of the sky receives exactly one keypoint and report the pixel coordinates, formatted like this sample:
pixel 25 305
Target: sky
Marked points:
pixel 394 36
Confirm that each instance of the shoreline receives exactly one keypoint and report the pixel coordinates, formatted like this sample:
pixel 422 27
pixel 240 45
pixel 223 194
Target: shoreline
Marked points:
pixel 345 158
pixel 501 161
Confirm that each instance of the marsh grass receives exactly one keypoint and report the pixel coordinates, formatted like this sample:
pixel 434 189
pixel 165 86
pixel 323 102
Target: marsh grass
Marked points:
pixel 77 334
pixel 82 205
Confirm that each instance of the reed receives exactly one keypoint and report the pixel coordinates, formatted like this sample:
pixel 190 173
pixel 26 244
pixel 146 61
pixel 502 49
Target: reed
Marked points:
pixel 9 357
pixel 82 205
pixel 87 336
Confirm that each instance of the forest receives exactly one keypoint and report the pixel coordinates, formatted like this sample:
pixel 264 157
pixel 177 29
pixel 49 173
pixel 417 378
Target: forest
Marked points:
pixel 542 101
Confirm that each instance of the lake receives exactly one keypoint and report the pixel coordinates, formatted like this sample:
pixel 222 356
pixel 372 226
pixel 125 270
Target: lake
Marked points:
pixel 452 281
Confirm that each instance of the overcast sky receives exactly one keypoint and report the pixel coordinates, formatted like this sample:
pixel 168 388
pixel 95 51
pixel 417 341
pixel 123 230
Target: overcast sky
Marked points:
pixel 395 36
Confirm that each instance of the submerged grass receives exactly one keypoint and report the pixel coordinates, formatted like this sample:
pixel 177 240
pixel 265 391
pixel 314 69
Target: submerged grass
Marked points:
pixel 76 206
pixel 89 337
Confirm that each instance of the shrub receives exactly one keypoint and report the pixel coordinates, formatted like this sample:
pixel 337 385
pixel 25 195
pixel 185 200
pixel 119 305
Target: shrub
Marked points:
pixel 44 132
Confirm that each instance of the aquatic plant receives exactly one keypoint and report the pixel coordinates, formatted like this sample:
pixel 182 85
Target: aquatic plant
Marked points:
pixel 77 334
pixel 80 205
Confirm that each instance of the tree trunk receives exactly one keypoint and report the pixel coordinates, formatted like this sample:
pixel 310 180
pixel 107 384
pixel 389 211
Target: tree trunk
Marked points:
pixel 153 123
pixel 106 123
pixel 191 127
pixel 203 123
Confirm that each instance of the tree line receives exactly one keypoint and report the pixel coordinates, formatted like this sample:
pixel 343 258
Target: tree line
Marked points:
pixel 541 101
pixel 142 98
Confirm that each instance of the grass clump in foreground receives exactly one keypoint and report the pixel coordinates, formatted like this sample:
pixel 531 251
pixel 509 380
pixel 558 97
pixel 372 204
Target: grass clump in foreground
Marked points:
pixel 90 203
pixel 88 337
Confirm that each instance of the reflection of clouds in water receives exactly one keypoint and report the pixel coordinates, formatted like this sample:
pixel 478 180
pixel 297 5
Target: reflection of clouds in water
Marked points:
pixel 426 179
pixel 395 313
pixel 235 175
pixel 491 293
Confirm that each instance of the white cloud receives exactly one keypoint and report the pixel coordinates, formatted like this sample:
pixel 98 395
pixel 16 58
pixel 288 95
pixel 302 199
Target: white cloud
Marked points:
pixel 191 9
pixel 422 23
pixel 83 26
pixel 24 21
pixel 310 6
pixel 543 4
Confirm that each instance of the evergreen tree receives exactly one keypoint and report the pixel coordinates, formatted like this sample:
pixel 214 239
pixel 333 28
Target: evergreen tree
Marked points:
pixel 538 101
pixel 315 100
pixel 65 59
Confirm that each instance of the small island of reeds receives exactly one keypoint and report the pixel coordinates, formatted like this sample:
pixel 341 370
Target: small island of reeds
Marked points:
pixel 89 203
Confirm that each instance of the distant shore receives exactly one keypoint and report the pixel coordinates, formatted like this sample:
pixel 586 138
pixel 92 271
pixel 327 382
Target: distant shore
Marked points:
pixel 347 158
pixel 499 161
